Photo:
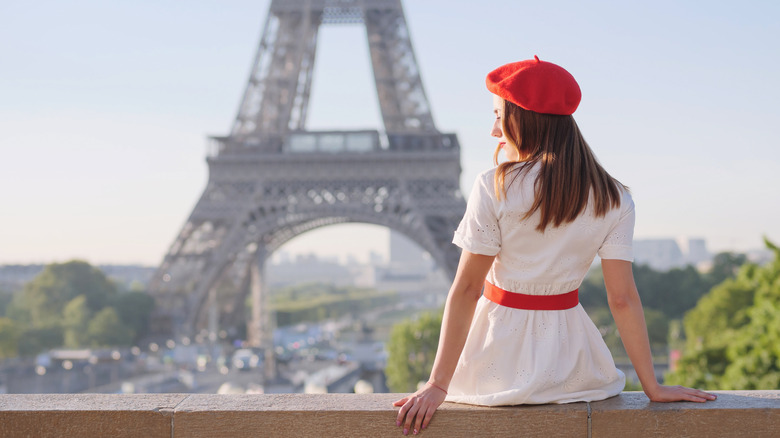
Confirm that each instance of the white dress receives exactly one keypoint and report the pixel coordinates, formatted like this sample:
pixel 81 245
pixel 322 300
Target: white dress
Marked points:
pixel 516 356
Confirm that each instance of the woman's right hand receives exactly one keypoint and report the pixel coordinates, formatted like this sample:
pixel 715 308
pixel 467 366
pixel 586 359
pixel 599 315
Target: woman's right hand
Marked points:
pixel 417 409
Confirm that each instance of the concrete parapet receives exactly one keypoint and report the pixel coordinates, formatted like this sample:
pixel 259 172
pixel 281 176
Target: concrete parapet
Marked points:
pixel 735 413
pixel 87 415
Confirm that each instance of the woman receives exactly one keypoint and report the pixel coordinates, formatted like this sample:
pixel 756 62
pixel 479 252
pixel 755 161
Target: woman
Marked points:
pixel 532 228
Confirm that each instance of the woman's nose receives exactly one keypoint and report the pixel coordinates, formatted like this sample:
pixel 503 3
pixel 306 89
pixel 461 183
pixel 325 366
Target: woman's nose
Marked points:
pixel 496 131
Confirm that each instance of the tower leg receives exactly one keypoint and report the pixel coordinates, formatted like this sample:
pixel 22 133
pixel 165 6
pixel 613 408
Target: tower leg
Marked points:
pixel 255 326
pixel 260 329
pixel 213 318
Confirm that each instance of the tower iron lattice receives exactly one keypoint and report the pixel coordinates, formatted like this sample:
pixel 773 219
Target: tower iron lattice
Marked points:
pixel 271 179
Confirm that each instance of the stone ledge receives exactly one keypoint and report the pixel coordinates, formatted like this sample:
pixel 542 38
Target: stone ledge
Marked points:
pixel 735 413
pixel 87 415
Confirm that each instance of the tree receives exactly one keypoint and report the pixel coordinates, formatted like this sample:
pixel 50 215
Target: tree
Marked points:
pixel 593 293
pixel 665 296
pixel 107 330
pixel 754 354
pixel 135 309
pixel 725 265
pixel 33 340
pixel 411 351
pixel 733 337
pixel 76 316
pixel 9 338
pixel 657 329
pixel 672 292
pixel 47 294
pixel 5 301
pixel 311 302
pixel 74 304
pixel 18 310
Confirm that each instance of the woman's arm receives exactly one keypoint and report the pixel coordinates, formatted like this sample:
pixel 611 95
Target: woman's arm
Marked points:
pixel 458 313
pixel 626 308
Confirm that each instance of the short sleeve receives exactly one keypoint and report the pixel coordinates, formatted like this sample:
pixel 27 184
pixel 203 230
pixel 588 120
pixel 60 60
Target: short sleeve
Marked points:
pixel 478 231
pixel 619 241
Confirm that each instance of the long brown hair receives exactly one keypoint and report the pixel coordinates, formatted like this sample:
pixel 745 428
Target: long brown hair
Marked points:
pixel 569 174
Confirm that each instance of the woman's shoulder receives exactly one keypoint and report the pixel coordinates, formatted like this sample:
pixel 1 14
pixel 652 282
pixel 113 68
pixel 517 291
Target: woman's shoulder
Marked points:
pixel 485 180
pixel 488 174
pixel 625 196
pixel 526 168
pixel 626 200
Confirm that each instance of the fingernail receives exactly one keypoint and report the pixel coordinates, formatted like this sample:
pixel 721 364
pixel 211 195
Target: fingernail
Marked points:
pixel 415 431
pixel 406 431
pixel 397 423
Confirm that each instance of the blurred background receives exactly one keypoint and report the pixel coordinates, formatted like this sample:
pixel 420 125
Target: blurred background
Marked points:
pixel 104 112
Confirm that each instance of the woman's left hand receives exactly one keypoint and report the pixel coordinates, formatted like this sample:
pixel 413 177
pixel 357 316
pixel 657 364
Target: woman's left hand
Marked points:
pixel 417 409
pixel 662 393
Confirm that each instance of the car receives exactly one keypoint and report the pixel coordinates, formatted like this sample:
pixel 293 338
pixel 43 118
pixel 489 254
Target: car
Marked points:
pixel 245 359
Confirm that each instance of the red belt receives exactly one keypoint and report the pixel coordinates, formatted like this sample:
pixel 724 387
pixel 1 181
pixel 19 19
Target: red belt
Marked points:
pixel 531 302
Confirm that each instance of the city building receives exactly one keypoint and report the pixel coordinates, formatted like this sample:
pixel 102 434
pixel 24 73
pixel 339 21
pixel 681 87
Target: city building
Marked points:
pixel 668 253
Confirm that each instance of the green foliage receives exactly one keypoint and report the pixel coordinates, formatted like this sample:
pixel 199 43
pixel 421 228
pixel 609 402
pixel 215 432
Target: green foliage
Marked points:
pixel 675 339
pixel 733 334
pixel 107 330
pixel 632 386
pixel 725 265
pixel 75 305
pixel 666 296
pixel 602 318
pixel 47 294
pixel 33 340
pixel 592 292
pixel 5 301
pixel 135 309
pixel 306 291
pixel 657 330
pixel 411 351
pixel 709 329
pixel 671 292
pixel 17 310
pixel 9 338
pixel 76 316
pixel 755 352
pixel 314 302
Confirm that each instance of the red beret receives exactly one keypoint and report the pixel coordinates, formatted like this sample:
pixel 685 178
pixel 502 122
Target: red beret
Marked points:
pixel 535 85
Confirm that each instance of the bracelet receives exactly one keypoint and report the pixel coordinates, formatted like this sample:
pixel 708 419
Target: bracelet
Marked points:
pixel 437 387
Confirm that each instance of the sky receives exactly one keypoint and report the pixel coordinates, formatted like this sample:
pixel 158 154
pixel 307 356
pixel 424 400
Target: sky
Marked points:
pixel 105 107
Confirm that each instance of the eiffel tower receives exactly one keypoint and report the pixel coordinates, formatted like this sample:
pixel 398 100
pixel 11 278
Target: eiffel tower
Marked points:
pixel 271 179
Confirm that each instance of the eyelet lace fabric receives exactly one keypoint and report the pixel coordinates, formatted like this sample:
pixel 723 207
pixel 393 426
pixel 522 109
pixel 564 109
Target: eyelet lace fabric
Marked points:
pixel 515 356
